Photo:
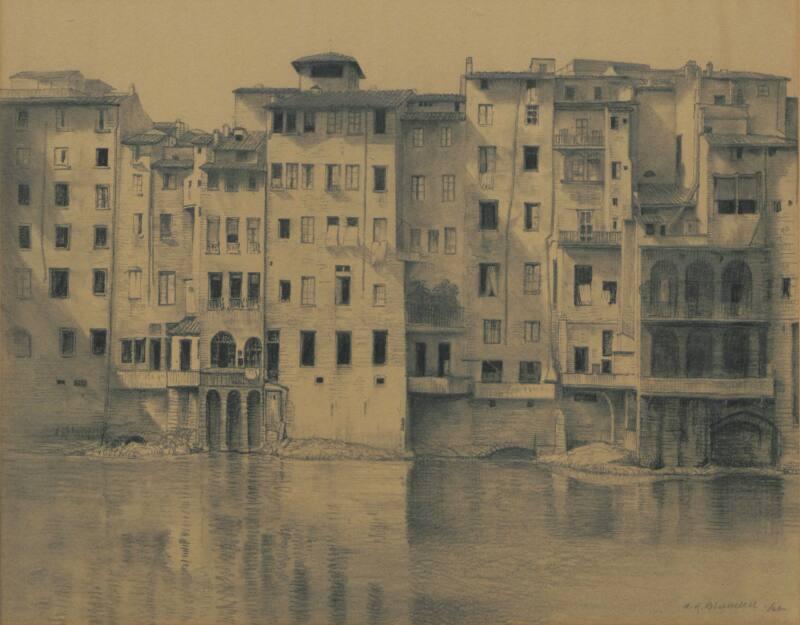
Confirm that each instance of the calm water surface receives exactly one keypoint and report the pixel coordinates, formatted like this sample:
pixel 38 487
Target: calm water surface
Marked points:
pixel 251 539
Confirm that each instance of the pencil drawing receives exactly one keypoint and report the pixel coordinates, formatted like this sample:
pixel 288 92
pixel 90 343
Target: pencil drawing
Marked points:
pixel 549 302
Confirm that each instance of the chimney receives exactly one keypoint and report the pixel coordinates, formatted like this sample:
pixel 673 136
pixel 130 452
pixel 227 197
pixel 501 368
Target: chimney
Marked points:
pixel 468 69
pixel 691 69
pixel 226 130
pixel 709 68
pixel 132 89
pixel 216 136
pixel 531 65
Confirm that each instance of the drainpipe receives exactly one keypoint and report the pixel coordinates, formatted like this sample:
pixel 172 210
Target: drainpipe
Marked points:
pixel 508 213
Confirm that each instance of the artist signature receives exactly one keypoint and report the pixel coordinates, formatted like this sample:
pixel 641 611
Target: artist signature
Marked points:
pixel 714 606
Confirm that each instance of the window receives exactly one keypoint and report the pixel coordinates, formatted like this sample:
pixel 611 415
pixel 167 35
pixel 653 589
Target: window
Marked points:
pixel 379 179
pixel 351 177
pixel 165 226
pixel 232 235
pixel 532 279
pixel 719 99
pixel 100 237
pixel 308 291
pixel 616 170
pixel 105 120
pixel 737 154
pixel 433 241
pixel 418 187
pixel 23 195
pixel 23 157
pixel 418 137
pixel 134 283
pixel 291 175
pixel 532 212
pixel 583 166
pixel 212 234
pixel 23 283
pixel 379 295
pixel 62 237
pixel 253 288
pixel 488 215
pixel 483 84
pixel 99 278
pixel 491 331
pixel 284 290
pixel 343 348
pixel 139 350
pixel 448 188
pixel 166 288
pixel 488 279
pixel 581 359
pixel 608 342
pixel 22 118
pixel 449 240
pixel 307 180
pixel 335 120
pixel 169 181
pixel 379 228
pixel 583 285
pixel 213 181
pixel 102 197
pixel 532 115
pixel 231 183
pixel 614 121
pixel 492 371
pixel 379 122
pixel 598 93
pixel 530 372
pixel 22 343
pixel 351 232
pixel 126 350
pixel 736 194
pixel 306 230
pixel 62 122
pixel 445 136
pixel 276 176
pixel 776 206
pixel 585 227
pixel 332 232
pixel 763 90
pixel 569 93
pixel 610 292
pixel 332 176
pixel 380 340
pixel 342 290
pixel 138 184
pixel 101 157
pixel 24 237
pixel 284 228
pixel 487 159
pixel 532 331
pixel 485 114
pixel 291 121
pixel 786 287
pixel 98 341
pixel 253 239
pixel 355 124
pixel 308 340
pixel 61 158
pixel 62 193
pixel 66 342
pixel 277 122
pixel 416 240
pixel 252 182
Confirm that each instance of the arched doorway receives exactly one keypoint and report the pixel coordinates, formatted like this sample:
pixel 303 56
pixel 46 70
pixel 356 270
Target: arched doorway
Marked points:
pixel 255 437
pixel 213 420
pixel 233 432
pixel 737 288
pixel 744 439
pixel 223 350
pixel 252 352
pixel 699 289
pixel 698 354
pixel 664 355
pixel 663 289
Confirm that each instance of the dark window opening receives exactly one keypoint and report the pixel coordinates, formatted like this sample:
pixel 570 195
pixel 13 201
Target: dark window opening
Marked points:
pixel 380 340
pixel 101 157
pixel 492 371
pixel 531 156
pixel 277 121
pixel 581 355
pixel 98 342
pixel 343 348
pixel 583 285
pixel 379 178
pixel 284 228
pixel 610 292
pixel 489 279
pixel 530 372
pixel 308 341
pixel 786 287
pixel 343 290
pixel 23 194
pixel 59 283
pixel 284 290
pixel 327 70
pixel 380 122
pixel 488 215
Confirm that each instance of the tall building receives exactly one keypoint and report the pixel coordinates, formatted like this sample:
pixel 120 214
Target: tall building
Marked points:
pixel 550 257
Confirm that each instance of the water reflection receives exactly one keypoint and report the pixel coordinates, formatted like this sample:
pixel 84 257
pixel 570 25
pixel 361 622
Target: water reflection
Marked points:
pixel 248 539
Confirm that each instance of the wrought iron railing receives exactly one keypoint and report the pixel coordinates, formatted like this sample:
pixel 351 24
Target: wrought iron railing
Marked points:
pixel 435 315
pixel 592 138
pixel 590 237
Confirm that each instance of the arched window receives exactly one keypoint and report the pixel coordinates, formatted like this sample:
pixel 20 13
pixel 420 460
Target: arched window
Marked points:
pixel 736 352
pixel 21 342
pixel 252 352
pixel 664 355
pixel 223 350
pixel 699 289
pixel 663 289
pixel 737 287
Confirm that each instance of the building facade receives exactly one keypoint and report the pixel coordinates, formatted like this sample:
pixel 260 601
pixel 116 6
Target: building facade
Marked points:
pixel 596 252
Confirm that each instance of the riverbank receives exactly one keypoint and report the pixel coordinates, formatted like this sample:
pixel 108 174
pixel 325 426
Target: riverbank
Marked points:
pixel 325 449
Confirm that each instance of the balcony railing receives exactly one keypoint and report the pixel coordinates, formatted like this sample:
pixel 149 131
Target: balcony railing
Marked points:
pixel 183 378
pixel 723 388
pixel 212 247
pixel 235 303
pixel 513 390
pixel 600 380
pixel 445 385
pixel 435 316
pixel 591 237
pixel 216 303
pixel 700 305
pixel 565 138
pixel 253 247
pixel 140 379
pixel 232 247
pixel 252 303
pixel 231 376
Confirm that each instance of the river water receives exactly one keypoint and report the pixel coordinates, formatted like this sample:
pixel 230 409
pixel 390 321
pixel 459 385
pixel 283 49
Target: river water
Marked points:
pixel 227 538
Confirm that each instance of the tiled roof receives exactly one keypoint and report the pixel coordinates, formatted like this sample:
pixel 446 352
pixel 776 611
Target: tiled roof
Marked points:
pixel 507 75
pixel 65 73
pixel 219 166
pixel 327 57
pixel 195 137
pixel 51 97
pixel 267 90
pixel 723 73
pixel 745 140
pixel 437 97
pixel 662 216
pixel 173 163
pixel 148 137
pixel 356 98
pixel 663 195
pixel 427 116
pixel 251 141
pixel 188 326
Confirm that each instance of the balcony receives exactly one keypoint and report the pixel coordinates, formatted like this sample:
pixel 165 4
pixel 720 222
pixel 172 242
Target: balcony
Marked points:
pixel 231 377
pixel 232 247
pixel 433 318
pixel 513 390
pixel 599 380
pixel 701 306
pixel 183 378
pixel 253 247
pixel 140 379
pixel 216 303
pixel 720 388
pixel 212 247
pixel 440 386
pixel 590 139
pixel 590 238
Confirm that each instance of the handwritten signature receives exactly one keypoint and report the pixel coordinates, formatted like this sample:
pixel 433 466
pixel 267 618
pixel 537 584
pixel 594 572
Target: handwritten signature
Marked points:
pixel 709 606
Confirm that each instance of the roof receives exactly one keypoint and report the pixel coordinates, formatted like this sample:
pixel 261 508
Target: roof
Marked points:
pixel 148 137
pixel 249 142
pixel 663 216
pixel 219 166
pixel 356 98
pixel 188 326
pixel 327 57
pixel 267 90
pixel 52 75
pixel 57 96
pixel 437 97
pixel 173 163
pixel 748 140
pixel 432 116
pixel 96 85
pixel 733 75
pixel 195 136
pixel 507 75
pixel 655 194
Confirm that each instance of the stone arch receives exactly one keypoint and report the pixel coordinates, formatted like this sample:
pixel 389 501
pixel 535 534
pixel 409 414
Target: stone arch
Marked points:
pixel 223 350
pixel 213 419
pixel 255 429
pixel 233 412
pixel 744 438
pixel 252 352
pixel 699 289
pixel 664 354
